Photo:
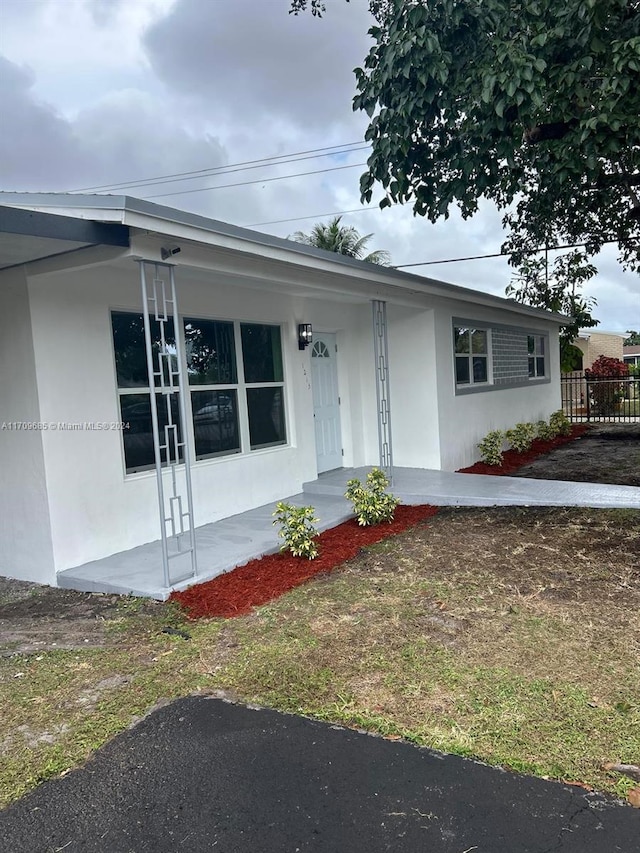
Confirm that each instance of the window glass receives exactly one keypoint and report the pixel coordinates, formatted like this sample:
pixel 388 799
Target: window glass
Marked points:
pixel 480 369
pixel 462 371
pixel 131 353
pixel 461 340
pixel 479 341
pixel 135 412
pixel 210 349
pixel 261 353
pixel 266 417
pixel 536 348
pixel 215 422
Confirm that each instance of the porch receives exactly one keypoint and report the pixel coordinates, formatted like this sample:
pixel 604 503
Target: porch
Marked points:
pixel 225 544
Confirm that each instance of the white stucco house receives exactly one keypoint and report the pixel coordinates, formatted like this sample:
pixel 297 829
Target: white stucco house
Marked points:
pixel 105 297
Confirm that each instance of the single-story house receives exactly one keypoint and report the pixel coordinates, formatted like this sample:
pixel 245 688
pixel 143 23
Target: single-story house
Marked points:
pixel 160 370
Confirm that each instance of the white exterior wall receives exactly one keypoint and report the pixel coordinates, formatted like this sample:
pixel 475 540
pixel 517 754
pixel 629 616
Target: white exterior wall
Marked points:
pixel 95 509
pixel 413 387
pixel 464 419
pixel 25 541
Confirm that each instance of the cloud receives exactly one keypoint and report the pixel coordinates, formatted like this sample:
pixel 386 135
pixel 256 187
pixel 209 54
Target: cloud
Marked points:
pixel 34 136
pixel 260 65
pixel 127 135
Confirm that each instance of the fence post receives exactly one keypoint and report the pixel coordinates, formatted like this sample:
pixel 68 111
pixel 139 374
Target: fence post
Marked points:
pixel 586 379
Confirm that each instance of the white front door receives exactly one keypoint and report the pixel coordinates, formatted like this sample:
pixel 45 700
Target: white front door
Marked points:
pixel 326 403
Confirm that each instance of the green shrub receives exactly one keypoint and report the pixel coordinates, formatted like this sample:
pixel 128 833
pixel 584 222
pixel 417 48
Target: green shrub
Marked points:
pixel 559 423
pixel 371 503
pixel 297 529
pixel 544 431
pixel 491 447
pixel 521 437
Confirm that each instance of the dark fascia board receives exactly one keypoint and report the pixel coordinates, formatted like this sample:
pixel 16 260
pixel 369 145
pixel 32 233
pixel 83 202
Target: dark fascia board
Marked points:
pixel 130 204
pixel 33 223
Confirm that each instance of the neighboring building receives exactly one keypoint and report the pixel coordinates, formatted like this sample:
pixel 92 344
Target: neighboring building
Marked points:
pixel 246 412
pixel 631 356
pixel 595 344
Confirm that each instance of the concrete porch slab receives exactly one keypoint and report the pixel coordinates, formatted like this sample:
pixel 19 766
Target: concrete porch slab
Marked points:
pixel 220 546
pixel 231 542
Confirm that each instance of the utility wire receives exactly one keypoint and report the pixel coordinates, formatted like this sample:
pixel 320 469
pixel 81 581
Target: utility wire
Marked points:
pixel 497 255
pixel 177 176
pixel 315 216
pixel 257 181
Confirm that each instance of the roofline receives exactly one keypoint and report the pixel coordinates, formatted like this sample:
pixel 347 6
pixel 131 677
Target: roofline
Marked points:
pixel 128 204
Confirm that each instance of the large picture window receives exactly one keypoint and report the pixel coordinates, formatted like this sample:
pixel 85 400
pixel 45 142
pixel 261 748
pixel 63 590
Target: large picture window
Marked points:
pixel 236 387
pixel 471 349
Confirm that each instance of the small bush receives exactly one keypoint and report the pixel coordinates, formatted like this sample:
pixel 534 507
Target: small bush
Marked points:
pixel 491 447
pixel 521 437
pixel 559 423
pixel 544 431
pixel 371 503
pixel 297 529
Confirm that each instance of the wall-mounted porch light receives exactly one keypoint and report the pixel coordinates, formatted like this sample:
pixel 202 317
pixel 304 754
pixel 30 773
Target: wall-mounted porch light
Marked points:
pixel 305 335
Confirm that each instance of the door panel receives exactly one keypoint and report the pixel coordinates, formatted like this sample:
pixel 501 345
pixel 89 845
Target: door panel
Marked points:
pixel 326 403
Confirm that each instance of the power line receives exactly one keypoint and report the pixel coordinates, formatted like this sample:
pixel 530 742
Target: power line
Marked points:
pixel 497 255
pixel 176 176
pixel 258 181
pixel 315 216
pixel 454 260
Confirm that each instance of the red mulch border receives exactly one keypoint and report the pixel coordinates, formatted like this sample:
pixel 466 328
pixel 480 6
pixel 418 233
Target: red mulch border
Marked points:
pixel 512 460
pixel 237 592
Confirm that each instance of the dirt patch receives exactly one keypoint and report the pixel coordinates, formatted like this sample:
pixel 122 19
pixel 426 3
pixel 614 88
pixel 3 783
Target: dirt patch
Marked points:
pixel 37 618
pixel 607 453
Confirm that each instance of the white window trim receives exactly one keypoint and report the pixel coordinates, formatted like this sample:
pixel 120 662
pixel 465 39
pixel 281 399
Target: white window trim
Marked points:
pixel 241 388
pixel 536 355
pixel 466 386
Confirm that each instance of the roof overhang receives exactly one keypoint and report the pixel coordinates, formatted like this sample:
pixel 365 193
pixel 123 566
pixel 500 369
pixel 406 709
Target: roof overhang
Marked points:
pixel 29 235
pixel 153 220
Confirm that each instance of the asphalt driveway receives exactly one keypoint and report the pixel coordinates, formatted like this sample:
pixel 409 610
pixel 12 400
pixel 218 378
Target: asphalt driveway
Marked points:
pixel 203 774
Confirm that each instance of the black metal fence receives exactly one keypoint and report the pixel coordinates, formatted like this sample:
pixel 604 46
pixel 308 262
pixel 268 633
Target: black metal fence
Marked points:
pixel 585 398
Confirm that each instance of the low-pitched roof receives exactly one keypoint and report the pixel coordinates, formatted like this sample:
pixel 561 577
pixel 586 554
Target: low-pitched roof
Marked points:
pixel 142 214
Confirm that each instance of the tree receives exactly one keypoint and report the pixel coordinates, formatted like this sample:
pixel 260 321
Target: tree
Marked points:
pixel 542 287
pixel 633 340
pixel 533 105
pixel 343 239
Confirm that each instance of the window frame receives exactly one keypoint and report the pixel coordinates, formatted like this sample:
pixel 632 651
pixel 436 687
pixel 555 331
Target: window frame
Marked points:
pixel 240 387
pixel 472 384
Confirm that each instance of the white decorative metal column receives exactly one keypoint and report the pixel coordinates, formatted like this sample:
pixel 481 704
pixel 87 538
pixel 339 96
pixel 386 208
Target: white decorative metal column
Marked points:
pixel 383 397
pixel 167 377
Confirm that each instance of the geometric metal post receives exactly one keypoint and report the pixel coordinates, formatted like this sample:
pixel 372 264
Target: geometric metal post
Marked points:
pixel 177 529
pixel 383 395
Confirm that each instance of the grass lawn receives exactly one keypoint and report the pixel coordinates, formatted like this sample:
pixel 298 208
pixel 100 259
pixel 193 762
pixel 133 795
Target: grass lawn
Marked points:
pixel 508 634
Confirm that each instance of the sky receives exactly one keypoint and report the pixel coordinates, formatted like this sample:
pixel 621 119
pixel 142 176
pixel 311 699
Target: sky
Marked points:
pixel 98 93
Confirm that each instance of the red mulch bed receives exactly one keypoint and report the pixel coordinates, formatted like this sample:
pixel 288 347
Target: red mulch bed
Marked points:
pixel 237 592
pixel 512 460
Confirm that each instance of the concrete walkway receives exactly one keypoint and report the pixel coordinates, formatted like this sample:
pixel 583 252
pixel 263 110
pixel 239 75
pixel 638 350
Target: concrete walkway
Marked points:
pixel 203 775
pixel 228 543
